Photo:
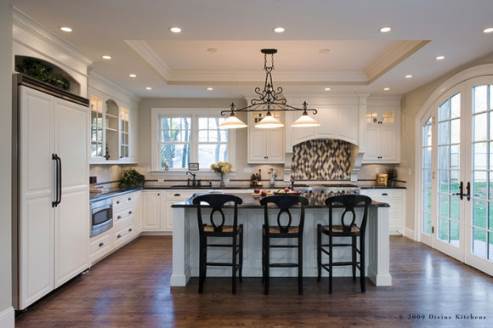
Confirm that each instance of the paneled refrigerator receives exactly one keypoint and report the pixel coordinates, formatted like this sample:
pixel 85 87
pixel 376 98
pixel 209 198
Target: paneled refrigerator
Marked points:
pixel 50 189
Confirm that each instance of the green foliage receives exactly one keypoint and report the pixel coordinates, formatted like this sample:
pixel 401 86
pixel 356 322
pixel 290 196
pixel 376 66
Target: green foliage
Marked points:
pixel 41 71
pixel 131 178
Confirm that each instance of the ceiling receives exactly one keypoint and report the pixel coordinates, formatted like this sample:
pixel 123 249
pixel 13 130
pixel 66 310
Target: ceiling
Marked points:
pixel 334 44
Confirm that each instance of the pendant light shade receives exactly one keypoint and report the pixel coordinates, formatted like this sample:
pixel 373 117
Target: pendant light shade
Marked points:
pixel 269 122
pixel 232 122
pixel 305 121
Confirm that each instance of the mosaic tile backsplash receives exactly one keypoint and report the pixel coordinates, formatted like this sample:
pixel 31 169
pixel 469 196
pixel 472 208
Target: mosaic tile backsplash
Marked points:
pixel 322 159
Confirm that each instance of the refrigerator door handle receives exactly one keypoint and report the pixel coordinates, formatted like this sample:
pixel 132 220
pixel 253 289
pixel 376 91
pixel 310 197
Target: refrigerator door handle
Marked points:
pixel 54 157
pixel 59 180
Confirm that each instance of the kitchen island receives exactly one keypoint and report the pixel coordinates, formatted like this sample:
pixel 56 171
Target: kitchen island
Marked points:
pixel 251 215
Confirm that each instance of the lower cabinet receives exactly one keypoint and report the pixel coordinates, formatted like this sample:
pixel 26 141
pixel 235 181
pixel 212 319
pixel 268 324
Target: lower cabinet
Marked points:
pixel 152 213
pixel 127 225
pixel 396 198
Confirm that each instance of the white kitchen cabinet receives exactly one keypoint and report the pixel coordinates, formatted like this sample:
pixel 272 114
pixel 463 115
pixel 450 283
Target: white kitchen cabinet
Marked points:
pixel 382 140
pixel 153 215
pixel 173 197
pixel 396 198
pixel 53 239
pixel 113 130
pixel 265 146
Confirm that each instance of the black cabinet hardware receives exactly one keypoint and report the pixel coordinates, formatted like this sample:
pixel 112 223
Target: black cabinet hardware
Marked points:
pixel 468 190
pixel 129 198
pixel 129 212
pixel 158 194
pixel 177 195
pixel 117 202
pixel 119 236
pixel 385 194
pixel 265 157
pixel 129 229
pixel 101 244
pixel 379 157
pixel 119 217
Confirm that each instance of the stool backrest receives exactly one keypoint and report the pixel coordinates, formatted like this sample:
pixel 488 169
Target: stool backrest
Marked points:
pixel 216 202
pixel 285 203
pixel 349 203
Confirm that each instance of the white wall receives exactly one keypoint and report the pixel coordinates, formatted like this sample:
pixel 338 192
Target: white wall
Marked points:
pixel 5 164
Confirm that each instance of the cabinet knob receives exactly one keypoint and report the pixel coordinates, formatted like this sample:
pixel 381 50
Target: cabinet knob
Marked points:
pixel 118 217
pixel 118 202
pixel 129 198
pixel 177 195
pixel 119 236
pixel 101 244
pixel 265 157
pixel 380 157
pixel 158 194
pixel 129 229
pixel 385 194
pixel 129 212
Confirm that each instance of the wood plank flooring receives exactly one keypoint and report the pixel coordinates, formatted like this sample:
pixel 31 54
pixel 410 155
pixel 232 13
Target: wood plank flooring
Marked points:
pixel 131 289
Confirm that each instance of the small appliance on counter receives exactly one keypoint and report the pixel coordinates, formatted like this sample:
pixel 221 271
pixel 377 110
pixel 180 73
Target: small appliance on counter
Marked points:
pixel 382 179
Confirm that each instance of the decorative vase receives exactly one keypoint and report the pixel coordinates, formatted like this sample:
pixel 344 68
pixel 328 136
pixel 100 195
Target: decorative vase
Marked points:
pixel 221 183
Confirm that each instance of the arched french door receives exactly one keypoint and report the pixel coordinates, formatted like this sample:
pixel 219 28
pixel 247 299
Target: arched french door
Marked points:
pixel 456 173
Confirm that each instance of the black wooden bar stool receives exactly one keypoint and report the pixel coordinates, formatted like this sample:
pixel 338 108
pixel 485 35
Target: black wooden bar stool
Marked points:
pixel 218 229
pixel 353 228
pixel 282 231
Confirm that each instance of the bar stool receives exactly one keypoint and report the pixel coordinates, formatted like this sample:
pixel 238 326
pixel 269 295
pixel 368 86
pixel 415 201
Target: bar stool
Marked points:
pixel 282 231
pixel 353 229
pixel 219 229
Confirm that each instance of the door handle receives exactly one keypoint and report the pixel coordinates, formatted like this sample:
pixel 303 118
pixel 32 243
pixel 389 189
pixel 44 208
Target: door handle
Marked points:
pixel 58 180
pixel 468 190
pixel 461 191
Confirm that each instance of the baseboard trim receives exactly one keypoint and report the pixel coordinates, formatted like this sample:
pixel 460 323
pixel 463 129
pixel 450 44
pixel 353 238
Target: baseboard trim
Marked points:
pixel 409 233
pixel 7 318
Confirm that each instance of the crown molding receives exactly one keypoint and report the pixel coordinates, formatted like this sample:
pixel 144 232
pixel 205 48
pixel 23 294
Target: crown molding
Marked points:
pixel 101 83
pixel 143 49
pixel 25 22
pixel 392 56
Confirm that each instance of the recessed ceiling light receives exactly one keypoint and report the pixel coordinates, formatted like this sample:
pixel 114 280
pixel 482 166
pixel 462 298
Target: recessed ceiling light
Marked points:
pixel 385 29
pixel 132 75
pixel 440 57
pixel 488 30
pixel 409 76
pixel 106 57
pixel 175 29
pixel 66 29
pixel 327 89
pixel 148 88
pixel 386 89
pixel 279 29
pixel 210 88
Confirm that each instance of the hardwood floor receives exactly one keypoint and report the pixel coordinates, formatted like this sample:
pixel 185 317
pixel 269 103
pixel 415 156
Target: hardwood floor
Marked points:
pixel 131 289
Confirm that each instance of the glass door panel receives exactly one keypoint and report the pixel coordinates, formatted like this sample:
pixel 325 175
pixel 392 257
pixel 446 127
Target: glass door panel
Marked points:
pixel 427 177
pixel 449 172
pixel 482 173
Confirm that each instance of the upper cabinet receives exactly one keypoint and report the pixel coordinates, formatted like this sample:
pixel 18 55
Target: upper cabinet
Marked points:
pixel 382 141
pixel 111 132
pixel 265 146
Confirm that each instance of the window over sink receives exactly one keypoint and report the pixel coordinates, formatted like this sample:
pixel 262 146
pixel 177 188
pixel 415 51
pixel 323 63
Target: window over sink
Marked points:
pixel 189 136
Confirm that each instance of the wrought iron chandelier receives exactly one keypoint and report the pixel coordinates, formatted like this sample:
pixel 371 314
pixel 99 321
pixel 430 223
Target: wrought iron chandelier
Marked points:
pixel 269 100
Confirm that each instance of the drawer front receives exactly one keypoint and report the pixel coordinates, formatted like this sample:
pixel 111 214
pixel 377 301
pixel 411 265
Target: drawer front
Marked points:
pixel 124 201
pixel 100 247
pixel 176 196
pixel 124 235
pixel 124 217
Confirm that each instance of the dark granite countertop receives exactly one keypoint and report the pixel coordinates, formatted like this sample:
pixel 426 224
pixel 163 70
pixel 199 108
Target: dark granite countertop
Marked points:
pixel 112 193
pixel 315 200
pixel 382 187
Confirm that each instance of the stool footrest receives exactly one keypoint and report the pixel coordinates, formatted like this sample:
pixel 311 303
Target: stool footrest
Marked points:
pixel 220 264
pixel 284 246
pixel 340 264
pixel 283 265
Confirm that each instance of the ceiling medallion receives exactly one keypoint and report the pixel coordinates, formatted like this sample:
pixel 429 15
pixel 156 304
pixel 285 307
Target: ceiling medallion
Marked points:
pixel 269 100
